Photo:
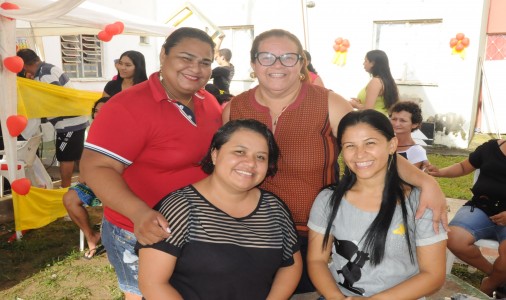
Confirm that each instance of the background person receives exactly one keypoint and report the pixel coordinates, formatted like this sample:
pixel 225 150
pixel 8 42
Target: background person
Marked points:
pixel 147 142
pixel 381 92
pixel 406 117
pixel 304 118
pixel 116 66
pixel 131 68
pixel 79 195
pixel 223 74
pixel 379 250
pixel 254 255
pixel 222 98
pixel 70 130
pixel 314 78
pixel 484 216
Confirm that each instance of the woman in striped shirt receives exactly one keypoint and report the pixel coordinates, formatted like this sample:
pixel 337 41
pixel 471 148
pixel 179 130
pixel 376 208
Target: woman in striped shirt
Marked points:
pixel 230 239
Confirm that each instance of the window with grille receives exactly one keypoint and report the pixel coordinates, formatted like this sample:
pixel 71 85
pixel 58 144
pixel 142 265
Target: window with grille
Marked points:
pixel 81 56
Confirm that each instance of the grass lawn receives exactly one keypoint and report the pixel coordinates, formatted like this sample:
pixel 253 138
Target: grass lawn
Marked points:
pixel 47 264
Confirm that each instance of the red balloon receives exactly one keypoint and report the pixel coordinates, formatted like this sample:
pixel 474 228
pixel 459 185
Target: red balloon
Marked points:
pixel 16 124
pixel 14 64
pixel 453 42
pixel 121 26
pixel 104 36
pixel 346 43
pixel 336 47
pixel 338 41
pixel 112 29
pixel 8 5
pixel 459 47
pixel 465 42
pixel 21 186
pixel 460 36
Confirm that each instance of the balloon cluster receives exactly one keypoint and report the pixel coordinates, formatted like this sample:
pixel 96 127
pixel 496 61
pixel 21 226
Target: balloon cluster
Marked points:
pixel 111 30
pixel 341 48
pixel 458 44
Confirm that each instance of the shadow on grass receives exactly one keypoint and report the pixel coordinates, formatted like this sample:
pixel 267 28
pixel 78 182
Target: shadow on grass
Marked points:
pixel 38 249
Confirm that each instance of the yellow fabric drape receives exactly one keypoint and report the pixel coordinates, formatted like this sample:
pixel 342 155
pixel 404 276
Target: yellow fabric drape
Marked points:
pixel 38 208
pixel 39 100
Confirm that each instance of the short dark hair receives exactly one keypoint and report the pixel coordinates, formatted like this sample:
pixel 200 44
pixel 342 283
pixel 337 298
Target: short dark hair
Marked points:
pixel 29 56
pixel 223 135
pixel 410 107
pixel 186 33
pixel 226 53
pixel 101 100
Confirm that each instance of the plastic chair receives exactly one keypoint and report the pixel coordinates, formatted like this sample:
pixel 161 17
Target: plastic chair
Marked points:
pixel 26 152
pixel 485 243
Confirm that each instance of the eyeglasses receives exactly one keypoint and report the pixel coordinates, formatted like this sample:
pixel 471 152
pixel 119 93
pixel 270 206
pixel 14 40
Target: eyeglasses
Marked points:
pixel 268 59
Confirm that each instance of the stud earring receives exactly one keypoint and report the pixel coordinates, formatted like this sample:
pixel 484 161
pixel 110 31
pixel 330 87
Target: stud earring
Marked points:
pixel 302 76
pixel 253 75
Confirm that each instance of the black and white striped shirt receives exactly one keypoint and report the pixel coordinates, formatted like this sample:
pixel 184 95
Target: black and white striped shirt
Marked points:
pixel 222 257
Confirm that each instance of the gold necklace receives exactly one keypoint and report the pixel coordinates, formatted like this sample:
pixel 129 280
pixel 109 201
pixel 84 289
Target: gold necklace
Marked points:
pixel 276 117
pixel 279 115
pixel 170 95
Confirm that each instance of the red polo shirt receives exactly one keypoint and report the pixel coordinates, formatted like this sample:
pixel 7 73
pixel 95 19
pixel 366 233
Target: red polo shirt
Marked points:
pixel 160 147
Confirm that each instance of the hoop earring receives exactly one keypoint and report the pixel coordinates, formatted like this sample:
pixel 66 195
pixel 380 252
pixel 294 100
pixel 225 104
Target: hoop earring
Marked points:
pixel 253 75
pixel 302 76
pixel 390 158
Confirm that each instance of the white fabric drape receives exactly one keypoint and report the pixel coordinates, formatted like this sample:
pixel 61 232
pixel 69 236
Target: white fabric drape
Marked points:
pixel 64 12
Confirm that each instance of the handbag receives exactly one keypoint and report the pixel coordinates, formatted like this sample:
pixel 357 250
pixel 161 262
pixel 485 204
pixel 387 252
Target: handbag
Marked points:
pixel 488 205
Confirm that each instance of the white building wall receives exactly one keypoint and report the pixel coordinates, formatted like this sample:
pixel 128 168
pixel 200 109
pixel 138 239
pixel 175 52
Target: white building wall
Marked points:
pixel 454 96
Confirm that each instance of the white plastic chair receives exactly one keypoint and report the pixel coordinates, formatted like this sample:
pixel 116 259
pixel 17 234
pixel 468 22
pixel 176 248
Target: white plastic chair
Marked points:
pixel 27 153
pixel 485 243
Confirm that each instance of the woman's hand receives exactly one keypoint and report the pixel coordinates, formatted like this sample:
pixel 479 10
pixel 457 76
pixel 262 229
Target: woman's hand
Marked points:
pixel 356 103
pixel 431 170
pixel 150 226
pixel 499 219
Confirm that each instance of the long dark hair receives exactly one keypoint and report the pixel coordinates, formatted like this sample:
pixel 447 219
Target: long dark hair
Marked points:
pixel 381 69
pixel 222 136
pixel 139 63
pixel 393 193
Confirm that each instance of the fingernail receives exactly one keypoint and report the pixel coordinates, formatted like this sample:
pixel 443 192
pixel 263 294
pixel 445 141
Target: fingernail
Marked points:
pixel 168 230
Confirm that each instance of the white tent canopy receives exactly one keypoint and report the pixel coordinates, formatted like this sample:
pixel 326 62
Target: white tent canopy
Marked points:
pixel 47 17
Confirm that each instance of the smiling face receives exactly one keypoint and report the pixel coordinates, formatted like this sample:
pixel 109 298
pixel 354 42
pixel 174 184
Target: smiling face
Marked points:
pixel 187 67
pixel 278 77
pixel 242 162
pixel 366 151
pixel 401 121
pixel 126 67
